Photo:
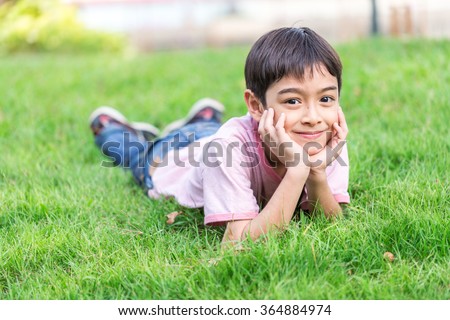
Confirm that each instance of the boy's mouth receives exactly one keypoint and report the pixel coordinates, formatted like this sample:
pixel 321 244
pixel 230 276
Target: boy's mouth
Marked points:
pixel 310 135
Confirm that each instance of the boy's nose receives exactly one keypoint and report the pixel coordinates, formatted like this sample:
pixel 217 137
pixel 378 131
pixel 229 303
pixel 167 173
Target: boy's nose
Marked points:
pixel 311 116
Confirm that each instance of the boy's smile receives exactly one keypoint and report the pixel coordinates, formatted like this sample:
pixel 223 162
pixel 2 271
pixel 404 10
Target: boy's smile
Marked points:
pixel 310 105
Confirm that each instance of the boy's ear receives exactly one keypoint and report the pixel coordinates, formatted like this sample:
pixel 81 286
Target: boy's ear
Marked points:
pixel 254 105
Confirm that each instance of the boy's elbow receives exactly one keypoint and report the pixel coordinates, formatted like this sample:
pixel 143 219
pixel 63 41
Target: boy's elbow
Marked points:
pixel 234 232
pixel 336 212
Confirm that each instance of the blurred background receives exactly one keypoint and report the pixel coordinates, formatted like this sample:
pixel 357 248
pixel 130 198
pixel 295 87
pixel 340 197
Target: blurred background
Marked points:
pixel 146 25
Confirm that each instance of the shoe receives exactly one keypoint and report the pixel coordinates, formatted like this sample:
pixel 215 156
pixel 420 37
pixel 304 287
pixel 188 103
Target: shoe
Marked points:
pixel 105 116
pixel 203 110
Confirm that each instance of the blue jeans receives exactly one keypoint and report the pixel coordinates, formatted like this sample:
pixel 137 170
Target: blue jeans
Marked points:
pixel 127 151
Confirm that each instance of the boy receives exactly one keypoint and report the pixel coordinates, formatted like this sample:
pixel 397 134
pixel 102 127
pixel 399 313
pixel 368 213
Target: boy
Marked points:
pixel 251 173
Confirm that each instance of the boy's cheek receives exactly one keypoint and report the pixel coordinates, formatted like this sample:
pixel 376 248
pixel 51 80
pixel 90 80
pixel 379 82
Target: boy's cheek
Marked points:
pixel 276 116
pixel 332 116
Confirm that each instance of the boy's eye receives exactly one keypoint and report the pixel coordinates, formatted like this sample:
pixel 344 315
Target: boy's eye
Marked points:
pixel 327 99
pixel 292 101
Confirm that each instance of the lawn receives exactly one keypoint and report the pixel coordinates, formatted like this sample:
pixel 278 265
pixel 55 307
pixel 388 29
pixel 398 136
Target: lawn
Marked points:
pixel 71 229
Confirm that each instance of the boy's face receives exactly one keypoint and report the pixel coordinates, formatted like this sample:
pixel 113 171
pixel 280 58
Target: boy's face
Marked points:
pixel 310 105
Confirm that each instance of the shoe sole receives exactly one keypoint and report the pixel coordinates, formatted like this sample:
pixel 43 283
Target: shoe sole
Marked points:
pixel 139 127
pixel 199 105
pixel 111 112
pixel 145 127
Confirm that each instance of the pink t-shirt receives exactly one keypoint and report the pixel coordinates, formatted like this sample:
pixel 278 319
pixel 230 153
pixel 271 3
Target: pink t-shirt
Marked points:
pixel 229 176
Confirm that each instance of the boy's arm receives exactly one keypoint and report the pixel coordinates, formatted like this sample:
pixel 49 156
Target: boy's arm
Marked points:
pixel 276 214
pixel 320 195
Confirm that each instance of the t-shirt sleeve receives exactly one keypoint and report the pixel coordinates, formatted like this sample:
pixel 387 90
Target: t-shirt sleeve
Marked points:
pixel 338 177
pixel 227 190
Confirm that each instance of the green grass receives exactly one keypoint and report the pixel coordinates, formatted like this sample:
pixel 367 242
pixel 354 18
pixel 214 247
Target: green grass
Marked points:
pixel 70 229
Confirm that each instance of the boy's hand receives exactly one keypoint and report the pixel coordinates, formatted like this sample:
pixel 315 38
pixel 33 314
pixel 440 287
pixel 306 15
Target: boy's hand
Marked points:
pixel 289 153
pixel 319 160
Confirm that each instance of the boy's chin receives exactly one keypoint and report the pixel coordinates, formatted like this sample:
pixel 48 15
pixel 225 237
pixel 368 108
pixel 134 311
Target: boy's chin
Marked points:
pixel 313 150
pixel 313 147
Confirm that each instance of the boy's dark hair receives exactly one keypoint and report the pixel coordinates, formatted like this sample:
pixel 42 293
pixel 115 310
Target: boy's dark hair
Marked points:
pixel 288 52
